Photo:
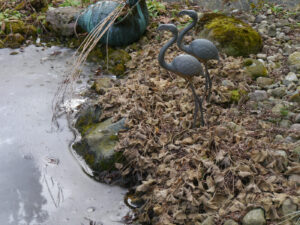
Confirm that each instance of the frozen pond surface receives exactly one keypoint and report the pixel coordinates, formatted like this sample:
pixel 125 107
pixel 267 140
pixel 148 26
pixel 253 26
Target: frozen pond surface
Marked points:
pixel 41 182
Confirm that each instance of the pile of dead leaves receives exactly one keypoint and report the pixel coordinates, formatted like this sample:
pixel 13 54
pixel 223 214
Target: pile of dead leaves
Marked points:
pixel 223 169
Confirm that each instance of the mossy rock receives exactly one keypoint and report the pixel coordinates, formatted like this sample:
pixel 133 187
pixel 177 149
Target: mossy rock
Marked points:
pixel 101 84
pixel 255 68
pixel 87 118
pixel 14 40
pixel 21 28
pixel 96 55
pixel 233 36
pixel 294 62
pixel 98 144
pixel 117 59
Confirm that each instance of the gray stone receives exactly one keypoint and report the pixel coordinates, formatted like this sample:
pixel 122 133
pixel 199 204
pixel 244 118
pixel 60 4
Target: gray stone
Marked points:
pixel 281 35
pixel 290 139
pixel 272 58
pixel 263 28
pixel 230 222
pixel 285 124
pixel 208 221
pixel 288 207
pixel 261 56
pixel 233 126
pixel 274 85
pixel 272 30
pixel 278 92
pixel 259 18
pixel 295 127
pixel 287 49
pixel 297 118
pixel 291 87
pixel 258 95
pixel 296 152
pixel 283 155
pixel 228 83
pixel 295 178
pixel 279 138
pixel 295 96
pixel 264 82
pixel 277 109
pixel 291 77
pixel 62 20
pixel 294 62
pixel 254 217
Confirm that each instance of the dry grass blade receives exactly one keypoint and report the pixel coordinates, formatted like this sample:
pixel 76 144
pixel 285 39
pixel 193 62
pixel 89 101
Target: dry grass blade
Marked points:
pixel 291 216
pixel 80 57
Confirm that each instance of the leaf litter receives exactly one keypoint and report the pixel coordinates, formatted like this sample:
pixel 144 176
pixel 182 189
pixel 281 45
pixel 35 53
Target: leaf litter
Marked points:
pixel 184 175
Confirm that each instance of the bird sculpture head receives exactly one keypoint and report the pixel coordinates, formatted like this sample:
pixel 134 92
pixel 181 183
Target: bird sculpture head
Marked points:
pixel 168 27
pixel 191 13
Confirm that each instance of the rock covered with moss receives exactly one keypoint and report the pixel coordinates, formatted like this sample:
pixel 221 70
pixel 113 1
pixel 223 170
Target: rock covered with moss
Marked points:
pixel 13 40
pixel 255 68
pixel 98 143
pixel 233 36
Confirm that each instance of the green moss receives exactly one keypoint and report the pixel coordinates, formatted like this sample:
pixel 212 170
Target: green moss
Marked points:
pixel 117 60
pixel 235 96
pixel 98 144
pixel 14 27
pixel 21 28
pixel 255 68
pixel 13 40
pixel 119 69
pixel 87 120
pixel 96 55
pixel 235 37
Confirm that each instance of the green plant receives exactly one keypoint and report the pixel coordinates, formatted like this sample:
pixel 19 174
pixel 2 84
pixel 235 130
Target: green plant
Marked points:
pixel 155 8
pixel 284 112
pixel 9 14
pixel 276 9
pixel 70 3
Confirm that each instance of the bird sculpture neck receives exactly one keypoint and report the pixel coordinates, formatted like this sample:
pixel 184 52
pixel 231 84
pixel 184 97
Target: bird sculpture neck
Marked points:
pixel 180 43
pixel 161 56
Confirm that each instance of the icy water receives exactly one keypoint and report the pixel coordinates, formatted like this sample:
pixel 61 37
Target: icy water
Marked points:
pixel 41 182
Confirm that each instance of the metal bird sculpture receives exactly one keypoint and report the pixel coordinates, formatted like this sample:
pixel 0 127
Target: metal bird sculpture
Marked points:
pixel 202 49
pixel 124 32
pixel 185 66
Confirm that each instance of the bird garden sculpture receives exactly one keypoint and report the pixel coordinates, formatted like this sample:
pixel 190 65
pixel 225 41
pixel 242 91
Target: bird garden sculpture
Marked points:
pixel 203 49
pixel 123 32
pixel 185 66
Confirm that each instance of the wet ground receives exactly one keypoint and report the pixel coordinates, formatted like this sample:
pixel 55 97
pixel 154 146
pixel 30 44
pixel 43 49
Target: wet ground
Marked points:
pixel 41 181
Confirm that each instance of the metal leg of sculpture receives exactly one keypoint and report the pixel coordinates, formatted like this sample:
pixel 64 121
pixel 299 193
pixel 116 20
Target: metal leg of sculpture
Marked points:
pixel 195 112
pixel 199 101
pixel 209 81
